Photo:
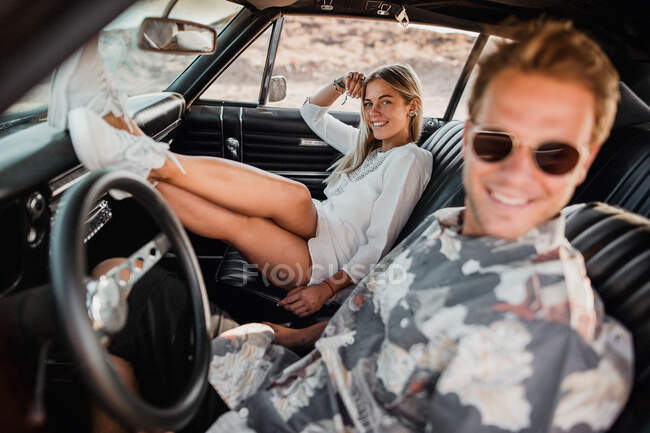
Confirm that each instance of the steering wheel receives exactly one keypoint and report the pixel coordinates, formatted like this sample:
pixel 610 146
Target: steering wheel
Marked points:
pixel 92 310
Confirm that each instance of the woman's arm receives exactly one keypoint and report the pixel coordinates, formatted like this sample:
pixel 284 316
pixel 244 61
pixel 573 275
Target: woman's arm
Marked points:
pixel 350 82
pixel 306 300
pixel 331 130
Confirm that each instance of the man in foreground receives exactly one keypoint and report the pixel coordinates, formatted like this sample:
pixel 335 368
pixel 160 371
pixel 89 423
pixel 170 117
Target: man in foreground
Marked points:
pixel 483 319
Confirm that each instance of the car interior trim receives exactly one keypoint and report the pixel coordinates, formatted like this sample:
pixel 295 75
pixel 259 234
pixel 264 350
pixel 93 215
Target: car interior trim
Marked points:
pixel 270 59
pixel 310 142
pixel 463 78
pixel 241 134
pixel 299 173
pixel 223 137
pixel 59 184
pixel 167 130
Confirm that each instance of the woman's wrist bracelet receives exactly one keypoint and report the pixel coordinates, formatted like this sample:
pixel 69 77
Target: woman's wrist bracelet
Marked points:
pixel 328 284
pixel 338 89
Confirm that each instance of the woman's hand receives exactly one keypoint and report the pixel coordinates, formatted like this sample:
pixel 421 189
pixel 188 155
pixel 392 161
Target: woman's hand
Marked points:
pixel 353 83
pixel 305 300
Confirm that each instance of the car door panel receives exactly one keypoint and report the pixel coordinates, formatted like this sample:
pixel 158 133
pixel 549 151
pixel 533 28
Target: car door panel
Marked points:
pixel 200 132
pixel 273 139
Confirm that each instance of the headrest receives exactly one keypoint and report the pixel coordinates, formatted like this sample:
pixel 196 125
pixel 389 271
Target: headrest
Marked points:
pixel 631 109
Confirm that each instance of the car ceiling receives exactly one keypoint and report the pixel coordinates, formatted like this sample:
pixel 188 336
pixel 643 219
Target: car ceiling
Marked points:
pixel 35 36
pixel 620 24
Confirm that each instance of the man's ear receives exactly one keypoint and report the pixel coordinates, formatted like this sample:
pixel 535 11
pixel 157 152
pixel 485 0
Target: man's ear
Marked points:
pixel 584 166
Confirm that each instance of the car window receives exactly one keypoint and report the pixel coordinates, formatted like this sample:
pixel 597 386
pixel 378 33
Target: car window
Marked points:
pixel 461 110
pixel 315 50
pixel 134 71
pixel 242 80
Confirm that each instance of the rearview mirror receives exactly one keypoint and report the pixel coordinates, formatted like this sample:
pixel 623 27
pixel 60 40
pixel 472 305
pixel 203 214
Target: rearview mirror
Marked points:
pixel 169 35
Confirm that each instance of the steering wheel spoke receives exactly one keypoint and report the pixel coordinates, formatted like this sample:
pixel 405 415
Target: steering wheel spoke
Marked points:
pixel 106 296
pixel 139 263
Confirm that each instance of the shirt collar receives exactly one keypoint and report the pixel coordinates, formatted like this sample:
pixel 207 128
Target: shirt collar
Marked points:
pixel 544 237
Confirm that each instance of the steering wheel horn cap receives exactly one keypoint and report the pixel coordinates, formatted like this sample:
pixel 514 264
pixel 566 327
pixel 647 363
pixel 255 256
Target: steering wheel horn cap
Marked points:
pixel 108 309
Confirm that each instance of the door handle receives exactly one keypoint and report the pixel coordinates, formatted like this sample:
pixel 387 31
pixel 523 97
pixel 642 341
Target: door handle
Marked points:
pixel 232 144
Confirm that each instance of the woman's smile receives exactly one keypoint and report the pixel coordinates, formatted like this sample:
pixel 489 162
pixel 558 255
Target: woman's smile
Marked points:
pixel 387 114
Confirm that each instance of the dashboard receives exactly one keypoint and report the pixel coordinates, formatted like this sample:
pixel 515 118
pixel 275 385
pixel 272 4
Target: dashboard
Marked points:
pixel 37 166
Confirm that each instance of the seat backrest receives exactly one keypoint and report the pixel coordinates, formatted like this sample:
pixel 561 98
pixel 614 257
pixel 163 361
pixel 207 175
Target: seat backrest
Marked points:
pixel 616 247
pixel 620 174
pixel 445 188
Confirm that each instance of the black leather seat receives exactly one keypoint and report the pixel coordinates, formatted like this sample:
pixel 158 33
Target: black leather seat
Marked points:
pixel 616 248
pixel 620 174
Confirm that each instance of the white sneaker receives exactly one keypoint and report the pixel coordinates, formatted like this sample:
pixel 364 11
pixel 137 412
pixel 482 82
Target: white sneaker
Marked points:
pixel 81 81
pixel 98 145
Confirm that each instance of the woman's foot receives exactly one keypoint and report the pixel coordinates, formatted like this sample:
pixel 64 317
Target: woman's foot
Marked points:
pixel 98 145
pixel 297 340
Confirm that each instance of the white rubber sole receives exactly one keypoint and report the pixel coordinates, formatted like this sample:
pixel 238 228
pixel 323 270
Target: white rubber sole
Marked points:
pixel 80 124
pixel 80 121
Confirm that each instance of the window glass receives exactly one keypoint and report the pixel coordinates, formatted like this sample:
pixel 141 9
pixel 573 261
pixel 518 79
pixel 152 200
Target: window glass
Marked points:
pixel 315 50
pixel 132 70
pixel 461 110
pixel 242 80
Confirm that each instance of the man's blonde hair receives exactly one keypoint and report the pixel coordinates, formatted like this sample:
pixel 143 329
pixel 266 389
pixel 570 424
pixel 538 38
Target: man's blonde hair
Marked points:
pixel 557 50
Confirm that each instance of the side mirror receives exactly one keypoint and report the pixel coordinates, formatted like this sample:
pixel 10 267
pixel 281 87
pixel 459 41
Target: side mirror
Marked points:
pixel 167 35
pixel 277 88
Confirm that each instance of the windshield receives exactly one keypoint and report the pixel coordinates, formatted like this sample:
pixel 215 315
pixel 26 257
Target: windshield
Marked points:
pixel 134 71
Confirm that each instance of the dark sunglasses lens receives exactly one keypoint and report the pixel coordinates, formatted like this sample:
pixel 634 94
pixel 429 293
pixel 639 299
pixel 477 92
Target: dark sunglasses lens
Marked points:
pixel 556 158
pixel 492 146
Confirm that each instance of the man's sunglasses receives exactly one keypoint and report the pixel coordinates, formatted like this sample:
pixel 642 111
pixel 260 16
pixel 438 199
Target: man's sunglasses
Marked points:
pixel 551 157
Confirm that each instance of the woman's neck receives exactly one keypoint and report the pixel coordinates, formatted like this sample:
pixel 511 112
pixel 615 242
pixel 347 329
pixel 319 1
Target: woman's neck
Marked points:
pixel 399 139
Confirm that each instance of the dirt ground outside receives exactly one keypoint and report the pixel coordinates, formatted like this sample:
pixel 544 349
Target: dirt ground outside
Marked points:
pixel 312 52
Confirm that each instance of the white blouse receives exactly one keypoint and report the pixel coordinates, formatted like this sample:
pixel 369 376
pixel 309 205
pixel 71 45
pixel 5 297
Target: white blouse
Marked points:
pixel 365 209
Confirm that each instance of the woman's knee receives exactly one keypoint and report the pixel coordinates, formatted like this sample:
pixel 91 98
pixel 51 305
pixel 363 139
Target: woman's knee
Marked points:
pixel 298 195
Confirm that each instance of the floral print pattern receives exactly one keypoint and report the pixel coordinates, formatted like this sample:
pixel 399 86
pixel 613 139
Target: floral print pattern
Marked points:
pixel 447 334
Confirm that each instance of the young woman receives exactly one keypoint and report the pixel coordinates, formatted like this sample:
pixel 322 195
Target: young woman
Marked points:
pixel 314 248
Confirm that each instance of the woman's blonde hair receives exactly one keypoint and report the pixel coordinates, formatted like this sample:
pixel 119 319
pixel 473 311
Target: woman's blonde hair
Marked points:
pixel 403 80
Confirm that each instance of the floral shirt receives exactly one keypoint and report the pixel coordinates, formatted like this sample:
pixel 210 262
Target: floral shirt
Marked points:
pixel 447 334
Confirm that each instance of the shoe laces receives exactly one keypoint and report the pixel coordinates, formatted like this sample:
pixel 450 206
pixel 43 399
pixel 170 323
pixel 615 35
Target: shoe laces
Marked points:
pixel 109 100
pixel 141 148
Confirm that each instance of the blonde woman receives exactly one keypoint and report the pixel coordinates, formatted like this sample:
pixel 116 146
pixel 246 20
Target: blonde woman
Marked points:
pixel 310 247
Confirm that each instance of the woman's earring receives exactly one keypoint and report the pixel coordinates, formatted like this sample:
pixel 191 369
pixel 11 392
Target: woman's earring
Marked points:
pixel 412 114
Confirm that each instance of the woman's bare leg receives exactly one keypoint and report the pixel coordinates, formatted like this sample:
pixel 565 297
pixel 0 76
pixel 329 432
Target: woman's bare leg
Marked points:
pixel 239 187
pixel 245 190
pixel 282 256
